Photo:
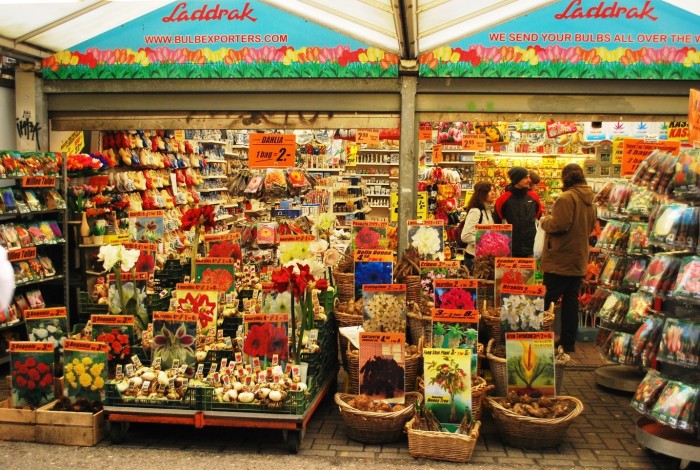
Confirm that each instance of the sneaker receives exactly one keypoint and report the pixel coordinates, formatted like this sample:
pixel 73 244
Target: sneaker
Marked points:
pixel 567 349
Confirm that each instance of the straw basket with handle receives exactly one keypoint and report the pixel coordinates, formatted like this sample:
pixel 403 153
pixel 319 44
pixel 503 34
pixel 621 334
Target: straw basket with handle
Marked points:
pixel 528 432
pixel 373 427
pixel 453 447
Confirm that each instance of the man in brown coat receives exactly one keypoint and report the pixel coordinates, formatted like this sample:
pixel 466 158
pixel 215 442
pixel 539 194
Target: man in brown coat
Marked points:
pixel 565 253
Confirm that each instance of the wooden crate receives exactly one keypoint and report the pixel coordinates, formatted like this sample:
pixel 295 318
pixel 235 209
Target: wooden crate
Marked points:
pixel 68 427
pixel 16 424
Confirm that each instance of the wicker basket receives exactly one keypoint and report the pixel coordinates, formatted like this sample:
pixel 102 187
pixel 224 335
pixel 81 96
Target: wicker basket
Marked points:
pixel 412 288
pixel 495 354
pixel 375 428
pixel 420 327
pixel 532 433
pixel 485 292
pixel 345 319
pixel 442 445
pixel 412 366
pixel 346 286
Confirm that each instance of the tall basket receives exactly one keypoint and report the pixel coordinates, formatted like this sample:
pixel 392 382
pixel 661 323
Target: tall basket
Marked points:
pixel 412 288
pixel 344 319
pixel 346 286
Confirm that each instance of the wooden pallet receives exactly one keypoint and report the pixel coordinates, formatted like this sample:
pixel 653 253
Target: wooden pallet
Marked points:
pixel 16 424
pixel 68 427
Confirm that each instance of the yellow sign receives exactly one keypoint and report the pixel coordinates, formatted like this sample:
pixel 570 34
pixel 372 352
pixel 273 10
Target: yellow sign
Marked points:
pixel 352 156
pixel 422 205
pixel 367 136
pixel 617 150
pixel 73 144
pixel 549 161
pixel 394 207
pixel 678 130
pixel 179 135
pixel 474 142
pixel 272 151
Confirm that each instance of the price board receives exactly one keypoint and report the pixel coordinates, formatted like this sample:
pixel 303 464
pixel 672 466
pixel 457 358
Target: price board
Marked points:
pixel 272 151
pixel 635 151
pixel 474 142
pixel 437 153
pixel 367 136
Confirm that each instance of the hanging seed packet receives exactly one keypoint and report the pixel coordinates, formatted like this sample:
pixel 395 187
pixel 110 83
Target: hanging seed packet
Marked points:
pixel 369 235
pixel 672 401
pixel 427 238
pixel 638 243
pixel 218 271
pixel 662 271
pixel 117 331
pixel 384 307
pixel 648 391
pixel 680 341
pixel 634 270
pixel 146 226
pixel 174 335
pixel 518 271
pixel 666 224
pixel 382 366
pixel 47 325
pixel 372 267
pixel 688 280
pixel 85 369
pixel 267 338
pixel 614 309
pixel 493 240
pixel 448 391
pixel 201 300
pixel 621 348
pixel 456 329
pixel 31 369
pixel 133 288
pixel 530 362
pixel 640 304
pixel 432 270
pixel 522 308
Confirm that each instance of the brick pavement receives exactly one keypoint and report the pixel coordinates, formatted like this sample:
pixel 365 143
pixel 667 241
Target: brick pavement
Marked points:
pixel 601 437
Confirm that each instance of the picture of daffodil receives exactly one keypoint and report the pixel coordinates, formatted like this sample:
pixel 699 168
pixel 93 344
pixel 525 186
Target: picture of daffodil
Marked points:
pixel 85 372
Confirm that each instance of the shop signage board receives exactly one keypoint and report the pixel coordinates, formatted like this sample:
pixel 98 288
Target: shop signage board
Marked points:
pixel 635 151
pixel 202 39
pixel 272 151
pixel 572 39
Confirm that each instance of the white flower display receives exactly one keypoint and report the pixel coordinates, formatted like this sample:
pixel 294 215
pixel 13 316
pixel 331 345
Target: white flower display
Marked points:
pixel 384 312
pixel 427 241
pixel 522 313
pixel 325 222
pixel 117 255
pixel 318 247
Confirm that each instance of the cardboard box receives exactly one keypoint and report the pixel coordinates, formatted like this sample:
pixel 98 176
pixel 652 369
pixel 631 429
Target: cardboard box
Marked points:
pixel 69 427
pixel 16 424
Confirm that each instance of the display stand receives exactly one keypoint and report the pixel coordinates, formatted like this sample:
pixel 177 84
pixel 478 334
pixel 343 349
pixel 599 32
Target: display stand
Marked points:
pixel 619 377
pixel 293 426
pixel 667 441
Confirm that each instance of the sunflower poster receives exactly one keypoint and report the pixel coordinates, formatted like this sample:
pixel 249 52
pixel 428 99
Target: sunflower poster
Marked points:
pixel 369 235
pixel 493 240
pixel 133 288
pixel 266 338
pixel 457 294
pixel 146 226
pixel 47 325
pixel 456 329
pixel 448 385
pixel 513 271
pixel 201 300
pixel 372 267
pixel 117 331
pixel 218 271
pixel 427 237
pixel 530 363
pixel 174 338
pixel 31 369
pixel 85 369
pixel 432 270
pixel 384 307
pixel 522 308
pixel 382 366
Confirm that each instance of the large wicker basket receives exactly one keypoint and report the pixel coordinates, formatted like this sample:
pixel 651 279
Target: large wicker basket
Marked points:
pixel 412 288
pixel 412 366
pixel 532 433
pixel 442 445
pixel 344 319
pixel 346 286
pixel 495 355
pixel 420 326
pixel 375 428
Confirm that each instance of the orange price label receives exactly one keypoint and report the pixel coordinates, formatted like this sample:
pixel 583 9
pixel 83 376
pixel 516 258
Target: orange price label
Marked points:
pixel 297 238
pixel 140 276
pixel 537 290
pixel 495 227
pixel 78 345
pixel 31 346
pixel 272 151
pixel 215 260
pixel 374 255
pixel 368 223
pixel 516 263
pixel 635 151
pixel 39 182
pixel 425 133
pixel 431 222
pixel 367 136
pixel 112 319
pixel 439 264
pixel 455 315
pixel 461 283
pixel 384 287
pixel 220 237
pixel 199 287
pixel 35 313
pixel 176 316
pixel 271 317
pixel 437 153
pixel 523 335
pixel 387 338
pixel 474 142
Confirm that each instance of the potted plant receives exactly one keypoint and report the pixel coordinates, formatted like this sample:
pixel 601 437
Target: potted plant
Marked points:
pixel 438 335
pixel 98 231
pixel 454 336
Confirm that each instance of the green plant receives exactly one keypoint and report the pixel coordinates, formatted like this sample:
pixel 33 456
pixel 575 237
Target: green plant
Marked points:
pixel 439 329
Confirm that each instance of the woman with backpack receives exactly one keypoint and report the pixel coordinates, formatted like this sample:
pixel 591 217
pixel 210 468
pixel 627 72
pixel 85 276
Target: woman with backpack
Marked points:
pixel 479 211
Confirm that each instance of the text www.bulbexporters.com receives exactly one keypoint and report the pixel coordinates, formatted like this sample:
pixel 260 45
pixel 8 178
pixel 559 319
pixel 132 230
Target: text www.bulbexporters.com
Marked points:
pixel 215 38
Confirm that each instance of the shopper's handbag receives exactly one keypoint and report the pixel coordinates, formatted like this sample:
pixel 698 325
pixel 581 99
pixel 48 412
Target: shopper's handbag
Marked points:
pixel 539 240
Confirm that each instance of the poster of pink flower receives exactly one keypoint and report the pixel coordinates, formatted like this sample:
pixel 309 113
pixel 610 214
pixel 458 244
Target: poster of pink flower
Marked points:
pixel 456 294
pixel 493 240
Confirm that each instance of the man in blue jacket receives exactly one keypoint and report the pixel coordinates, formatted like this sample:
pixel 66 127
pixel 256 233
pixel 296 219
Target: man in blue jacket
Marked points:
pixel 520 207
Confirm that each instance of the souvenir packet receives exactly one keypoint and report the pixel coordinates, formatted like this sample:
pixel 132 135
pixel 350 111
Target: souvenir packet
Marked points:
pixel 648 391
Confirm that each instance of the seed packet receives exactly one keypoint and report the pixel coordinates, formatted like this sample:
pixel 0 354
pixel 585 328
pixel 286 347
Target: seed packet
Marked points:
pixel 9 205
pixel 688 280
pixel 638 311
pixel 47 264
pixel 85 369
pixel 641 201
pixel 21 303
pixel 634 270
pixel 685 181
pixel 37 268
pixel 648 391
pixel 686 419
pixel 33 201
pixel 648 331
pixel 607 274
pixel 666 225
pixel 637 243
pixel 671 401
pixel 384 307
pixel 614 308
pixel 56 229
pixel 9 233
pixel 37 236
pixel 35 299
pixel 655 280
pixel 267 233
pixel 23 235
pixel 22 206
pixel 621 348
pixel 23 273
pixel 688 230
pixel 679 342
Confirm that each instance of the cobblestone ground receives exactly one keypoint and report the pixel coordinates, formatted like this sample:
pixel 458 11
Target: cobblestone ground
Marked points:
pixel 601 437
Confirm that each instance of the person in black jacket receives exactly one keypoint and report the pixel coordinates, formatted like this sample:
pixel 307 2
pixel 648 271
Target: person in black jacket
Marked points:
pixel 520 207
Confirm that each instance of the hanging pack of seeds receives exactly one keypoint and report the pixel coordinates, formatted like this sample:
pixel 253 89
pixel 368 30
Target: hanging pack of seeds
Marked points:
pixel 675 405
pixel 621 348
pixel 648 391
pixel 639 307
pixel 688 280
pixel 31 369
pixel 660 275
pixel 680 342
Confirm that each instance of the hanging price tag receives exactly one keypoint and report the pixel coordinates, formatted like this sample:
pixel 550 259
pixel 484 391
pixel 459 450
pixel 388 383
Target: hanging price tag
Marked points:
pixel 352 156
pixel 425 133
pixel 272 150
pixel 474 142
pixel 367 136
pixel 437 153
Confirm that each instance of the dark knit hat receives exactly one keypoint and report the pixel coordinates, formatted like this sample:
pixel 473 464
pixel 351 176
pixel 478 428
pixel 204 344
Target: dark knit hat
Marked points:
pixel 517 173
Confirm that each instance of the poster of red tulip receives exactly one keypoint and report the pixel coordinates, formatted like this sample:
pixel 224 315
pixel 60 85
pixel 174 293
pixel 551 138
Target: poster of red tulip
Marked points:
pixel 201 300
pixel 218 271
pixel 146 226
pixel 266 338
pixel 31 369
pixel 382 366
pixel 530 362
pixel 174 338
pixel 117 331
pixel 147 257
pixel 513 271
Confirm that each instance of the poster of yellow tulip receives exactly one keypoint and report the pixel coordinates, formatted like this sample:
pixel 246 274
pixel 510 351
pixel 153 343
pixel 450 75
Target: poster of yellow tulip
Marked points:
pixel 530 360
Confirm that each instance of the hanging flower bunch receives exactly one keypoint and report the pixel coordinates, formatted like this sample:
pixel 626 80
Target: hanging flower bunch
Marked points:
pixel 300 282
pixel 197 218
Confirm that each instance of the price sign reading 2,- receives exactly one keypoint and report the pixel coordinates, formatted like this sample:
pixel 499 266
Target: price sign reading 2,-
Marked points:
pixel 272 151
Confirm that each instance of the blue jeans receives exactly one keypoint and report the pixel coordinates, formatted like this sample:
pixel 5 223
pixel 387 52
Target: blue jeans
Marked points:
pixel 566 287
